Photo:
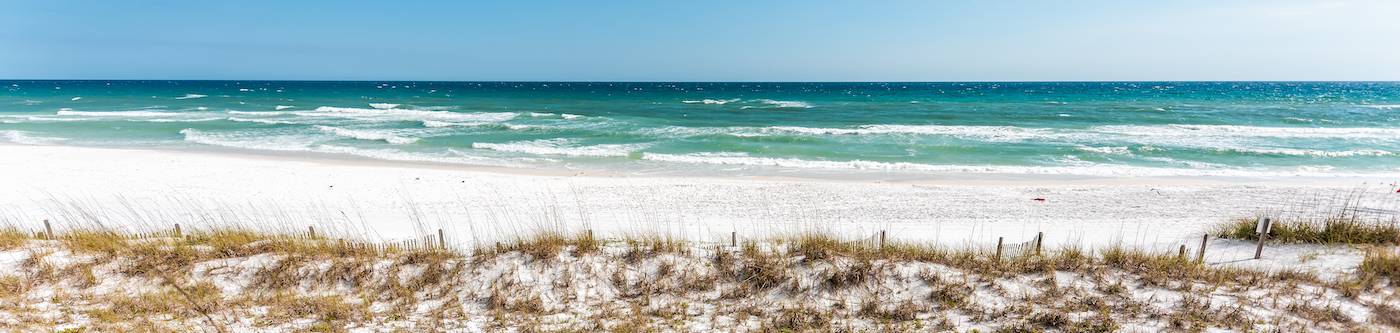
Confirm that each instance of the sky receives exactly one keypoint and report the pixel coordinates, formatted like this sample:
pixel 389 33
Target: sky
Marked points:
pixel 715 40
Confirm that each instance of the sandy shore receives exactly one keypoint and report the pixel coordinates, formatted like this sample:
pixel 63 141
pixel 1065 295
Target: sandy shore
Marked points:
pixel 395 200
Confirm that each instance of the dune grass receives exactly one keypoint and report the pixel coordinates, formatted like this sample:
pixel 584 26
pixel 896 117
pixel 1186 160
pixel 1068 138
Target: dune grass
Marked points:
pixel 1381 263
pixel 1332 230
pixel 649 283
pixel 11 238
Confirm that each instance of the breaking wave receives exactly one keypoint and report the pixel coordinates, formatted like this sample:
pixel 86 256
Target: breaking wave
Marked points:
pixel 369 135
pixel 563 147
pixel 711 101
pixel 409 115
pixel 1082 168
pixel 22 137
pixel 66 112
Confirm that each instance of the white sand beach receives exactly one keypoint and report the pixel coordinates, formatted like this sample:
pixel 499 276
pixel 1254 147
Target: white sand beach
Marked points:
pixel 389 200
pixel 140 190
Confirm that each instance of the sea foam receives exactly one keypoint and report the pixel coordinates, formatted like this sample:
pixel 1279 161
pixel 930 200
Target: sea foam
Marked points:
pixel 711 101
pixel 562 147
pixel 1080 168
pixel 367 135
pixel 254 140
pixel 22 137
pixel 1249 131
pixel 410 115
pixel 67 112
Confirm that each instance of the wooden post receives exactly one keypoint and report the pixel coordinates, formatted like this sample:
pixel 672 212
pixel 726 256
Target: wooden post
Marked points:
pixel 1039 237
pixel 734 238
pixel 48 230
pixel 882 239
pixel 590 234
pixel 1181 252
pixel 177 231
pixel 442 241
pixel 1201 256
pixel 998 256
pixel 311 232
pixel 1263 230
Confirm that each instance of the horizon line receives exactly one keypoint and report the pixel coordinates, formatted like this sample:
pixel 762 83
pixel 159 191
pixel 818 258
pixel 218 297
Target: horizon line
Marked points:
pixel 741 81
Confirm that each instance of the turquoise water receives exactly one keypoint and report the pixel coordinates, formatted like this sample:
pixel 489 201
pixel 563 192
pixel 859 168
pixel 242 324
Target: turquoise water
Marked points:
pixel 1104 129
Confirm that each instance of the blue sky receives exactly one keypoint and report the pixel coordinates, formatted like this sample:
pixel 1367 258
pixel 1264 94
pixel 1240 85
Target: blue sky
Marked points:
pixel 718 40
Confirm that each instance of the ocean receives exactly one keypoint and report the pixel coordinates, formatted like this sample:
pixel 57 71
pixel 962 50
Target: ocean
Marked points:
pixel 1114 129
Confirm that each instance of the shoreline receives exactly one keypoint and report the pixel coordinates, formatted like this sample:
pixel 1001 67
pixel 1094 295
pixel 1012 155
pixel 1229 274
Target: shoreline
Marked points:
pixel 802 176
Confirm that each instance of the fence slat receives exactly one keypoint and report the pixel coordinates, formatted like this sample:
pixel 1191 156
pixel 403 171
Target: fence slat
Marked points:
pixel 998 255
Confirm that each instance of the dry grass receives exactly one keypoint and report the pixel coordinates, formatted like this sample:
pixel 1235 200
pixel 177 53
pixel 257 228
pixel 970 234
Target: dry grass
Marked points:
pixel 658 283
pixel 11 238
pixel 544 245
pixel 1381 263
pixel 1341 229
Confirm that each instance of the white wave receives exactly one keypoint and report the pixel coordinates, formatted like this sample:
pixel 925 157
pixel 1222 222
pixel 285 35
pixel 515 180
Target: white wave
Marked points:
pixel 383 106
pixel 1308 152
pixel 1192 135
pixel 244 89
pixel 553 115
pixel 441 124
pixel 434 108
pixel 562 147
pixel 520 127
pixel 1082 169
pixel 1249 131
pixel 367 135
pixel 260 113
pixel 1381 106
pixel 31 102
pixel 256 140
pixel 192 96
pixel 711 101
pixel 786 104
pixel 69 112
pixel 25 138
pixel 451 156
pixel 282 107
pixel 1105 150
pixel 993 133
pixel 177 120
pixel 41 118
pixel 261 121
pixel 408 115
pixel 76 98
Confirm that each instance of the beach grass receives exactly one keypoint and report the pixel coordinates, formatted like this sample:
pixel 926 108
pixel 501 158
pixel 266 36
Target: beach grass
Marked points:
pixel 647 282
pixel 1381 263
pixel 1331 230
